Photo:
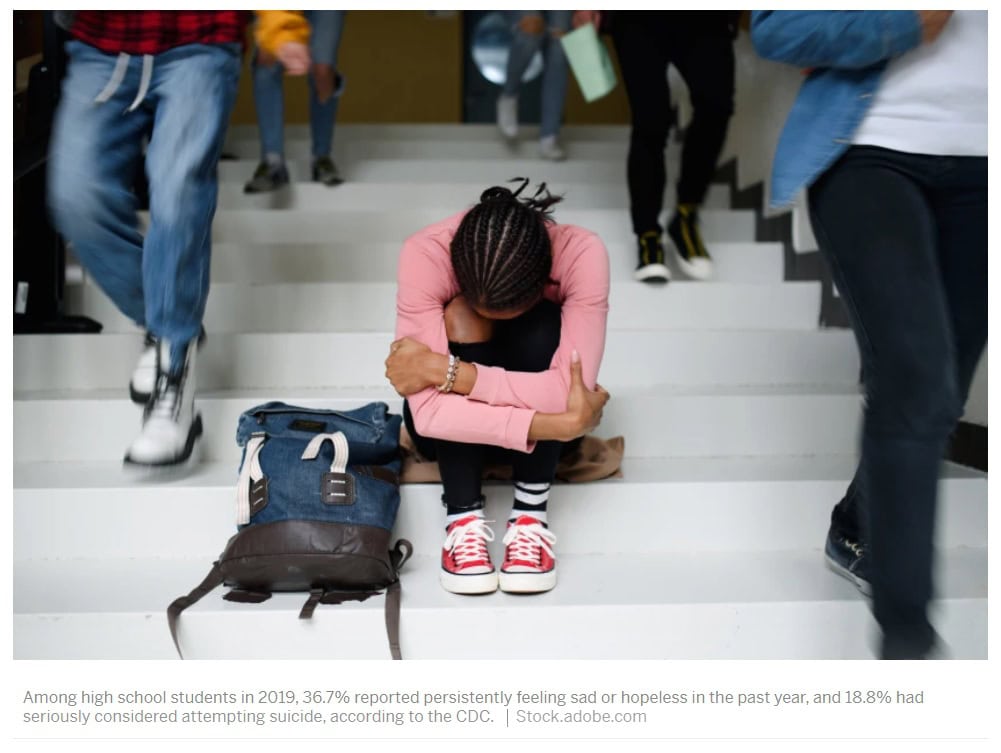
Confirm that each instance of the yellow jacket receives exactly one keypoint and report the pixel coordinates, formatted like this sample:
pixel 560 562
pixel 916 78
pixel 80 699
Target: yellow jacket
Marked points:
pixel 276 27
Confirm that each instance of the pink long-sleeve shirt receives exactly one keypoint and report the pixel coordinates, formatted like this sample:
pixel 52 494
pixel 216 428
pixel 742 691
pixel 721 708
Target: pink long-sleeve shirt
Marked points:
pixel 500 408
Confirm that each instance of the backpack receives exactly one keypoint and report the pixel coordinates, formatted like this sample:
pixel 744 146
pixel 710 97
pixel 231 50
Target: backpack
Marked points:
pixel 316 501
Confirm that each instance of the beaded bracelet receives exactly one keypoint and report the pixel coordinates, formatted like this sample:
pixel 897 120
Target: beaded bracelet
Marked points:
pixel 450 374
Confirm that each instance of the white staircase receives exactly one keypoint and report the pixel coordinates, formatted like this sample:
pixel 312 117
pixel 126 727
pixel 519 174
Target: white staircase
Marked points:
pixel 740 419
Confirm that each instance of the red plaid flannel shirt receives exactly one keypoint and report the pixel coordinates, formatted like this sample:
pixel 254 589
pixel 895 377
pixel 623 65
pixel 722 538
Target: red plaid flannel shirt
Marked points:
pixel 150 32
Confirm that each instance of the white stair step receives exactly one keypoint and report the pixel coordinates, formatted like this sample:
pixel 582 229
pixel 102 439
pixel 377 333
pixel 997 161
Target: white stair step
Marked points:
pixel 313 226
pixel 371 307
pixel 678 423
pixel 496 149
pixel 430 132
pixel 444 198
pixel 71 510
pixel 337 261
pixel 282 361
pixel 631 606
pixel 476 174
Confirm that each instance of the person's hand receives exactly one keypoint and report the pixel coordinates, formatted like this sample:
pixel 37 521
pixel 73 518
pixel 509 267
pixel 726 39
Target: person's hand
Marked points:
pixel 583 406
pixel 405 367
pixel 581 17
pixel 294 56
pixel 932 23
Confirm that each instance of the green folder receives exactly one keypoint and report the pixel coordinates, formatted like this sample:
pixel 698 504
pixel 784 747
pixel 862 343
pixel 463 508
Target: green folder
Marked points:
pixel 589 62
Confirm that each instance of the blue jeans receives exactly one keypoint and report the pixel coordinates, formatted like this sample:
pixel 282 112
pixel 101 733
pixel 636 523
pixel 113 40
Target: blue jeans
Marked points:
pixel 324 40
pixel 554 76
pixel 906 239
pixel 161 281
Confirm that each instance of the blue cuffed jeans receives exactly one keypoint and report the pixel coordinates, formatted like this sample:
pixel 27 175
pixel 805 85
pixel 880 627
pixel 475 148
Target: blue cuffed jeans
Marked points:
pixel 906 239
pixel 554 76
pixel 161 281
pixel 269 98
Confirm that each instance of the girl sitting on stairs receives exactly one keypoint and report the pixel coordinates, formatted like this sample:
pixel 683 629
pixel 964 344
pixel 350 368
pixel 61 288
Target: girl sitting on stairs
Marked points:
pixel 500 327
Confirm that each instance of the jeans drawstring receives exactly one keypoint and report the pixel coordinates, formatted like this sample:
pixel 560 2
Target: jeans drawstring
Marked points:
pixel 116 78
pixel 118 75
pixel 143 83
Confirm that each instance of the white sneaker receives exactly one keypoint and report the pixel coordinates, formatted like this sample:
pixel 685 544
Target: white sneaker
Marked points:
pixel 549 148
pixel 170 425
pixel 507 116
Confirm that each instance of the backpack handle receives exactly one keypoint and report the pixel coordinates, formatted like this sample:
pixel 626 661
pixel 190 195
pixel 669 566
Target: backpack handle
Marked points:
pixel 340 443
pixel 250 473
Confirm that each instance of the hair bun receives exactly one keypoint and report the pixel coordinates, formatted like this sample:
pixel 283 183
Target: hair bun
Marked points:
pixel 496 193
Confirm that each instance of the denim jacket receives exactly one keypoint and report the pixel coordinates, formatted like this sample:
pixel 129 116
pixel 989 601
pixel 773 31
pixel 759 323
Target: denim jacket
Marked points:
pixel 847 52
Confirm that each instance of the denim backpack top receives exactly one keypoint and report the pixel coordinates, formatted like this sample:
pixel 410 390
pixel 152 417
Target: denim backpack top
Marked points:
pixel 316 500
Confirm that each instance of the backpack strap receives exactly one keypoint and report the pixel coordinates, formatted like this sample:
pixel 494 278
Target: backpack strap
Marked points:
pixel 393 619
pixel 213 579
pixel 399 554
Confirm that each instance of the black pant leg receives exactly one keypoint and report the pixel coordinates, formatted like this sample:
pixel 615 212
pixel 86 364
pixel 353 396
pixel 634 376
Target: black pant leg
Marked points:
pixel 706 63
pixel 642 49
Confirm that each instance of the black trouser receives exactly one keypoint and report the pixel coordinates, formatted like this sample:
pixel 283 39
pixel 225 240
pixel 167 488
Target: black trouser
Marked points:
pixel 526 343
pixel 699 45
pixel 906 239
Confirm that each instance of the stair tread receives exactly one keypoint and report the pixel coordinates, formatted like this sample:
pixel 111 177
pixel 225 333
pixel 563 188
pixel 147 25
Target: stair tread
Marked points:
pixel 707 470
pixel 599 580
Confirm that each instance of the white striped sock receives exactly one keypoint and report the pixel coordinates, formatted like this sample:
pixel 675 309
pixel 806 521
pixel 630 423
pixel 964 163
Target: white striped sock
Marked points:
pixel 530 499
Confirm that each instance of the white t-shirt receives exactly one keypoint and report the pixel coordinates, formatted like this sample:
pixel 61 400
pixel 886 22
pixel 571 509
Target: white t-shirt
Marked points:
pixel 933 99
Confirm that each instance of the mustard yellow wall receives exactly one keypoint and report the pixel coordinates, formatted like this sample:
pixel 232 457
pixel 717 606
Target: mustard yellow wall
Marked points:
pixel 406 67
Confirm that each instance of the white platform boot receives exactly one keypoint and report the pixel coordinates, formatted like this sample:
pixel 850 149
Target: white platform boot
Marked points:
pixel 170 424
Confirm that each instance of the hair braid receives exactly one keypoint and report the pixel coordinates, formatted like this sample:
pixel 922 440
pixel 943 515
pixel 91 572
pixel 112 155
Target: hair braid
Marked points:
pixel 501 251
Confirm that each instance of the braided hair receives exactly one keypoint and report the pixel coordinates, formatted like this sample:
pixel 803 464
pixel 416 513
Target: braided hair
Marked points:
pixel 501 252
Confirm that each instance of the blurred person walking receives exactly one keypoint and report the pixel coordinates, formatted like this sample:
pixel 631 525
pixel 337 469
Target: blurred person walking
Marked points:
pixel 322 30
pixel 534 31
pixel 889 136
pixel 699 44
pixel 169 77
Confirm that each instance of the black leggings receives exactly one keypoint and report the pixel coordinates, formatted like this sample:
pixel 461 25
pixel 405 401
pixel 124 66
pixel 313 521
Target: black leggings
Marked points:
pixel 526 343
pixel 699 45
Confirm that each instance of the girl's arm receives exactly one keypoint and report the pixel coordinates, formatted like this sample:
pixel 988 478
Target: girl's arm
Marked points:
pixel 425 284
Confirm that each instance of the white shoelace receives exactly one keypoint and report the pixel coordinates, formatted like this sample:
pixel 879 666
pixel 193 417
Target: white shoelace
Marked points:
pixel 526 542
pixel 468 542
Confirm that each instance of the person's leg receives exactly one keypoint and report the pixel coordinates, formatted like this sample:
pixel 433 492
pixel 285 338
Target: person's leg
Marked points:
pixel 640 45
pixel 191 94
pixel 325 87
pixel 95 152
pixel 706 64
pixel 877 229
pixel 528 29
pixel 269 101
pixel 528 343
pixel 960 204
pixel 554 83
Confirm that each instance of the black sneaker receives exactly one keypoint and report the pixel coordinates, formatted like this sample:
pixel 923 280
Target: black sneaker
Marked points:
pixel 847 558
pixel 693 258
pixel 325 172
pixel 267 177
pixel 651 267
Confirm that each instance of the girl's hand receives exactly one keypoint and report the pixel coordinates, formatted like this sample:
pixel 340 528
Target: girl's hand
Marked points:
pixel 406 366
pixel 584 407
